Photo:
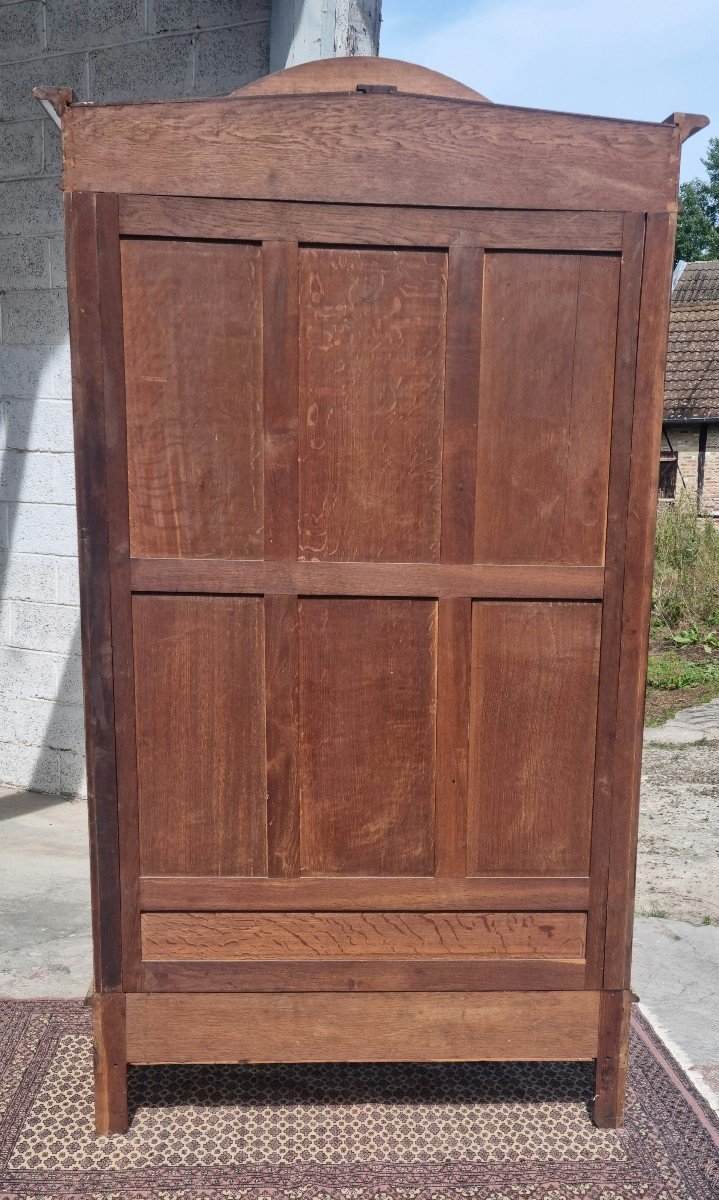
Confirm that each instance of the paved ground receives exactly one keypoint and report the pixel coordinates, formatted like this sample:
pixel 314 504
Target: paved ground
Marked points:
pixel 45 944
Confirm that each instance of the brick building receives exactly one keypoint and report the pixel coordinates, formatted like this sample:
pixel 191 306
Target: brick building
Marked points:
pixel 105 50
pixel 690 439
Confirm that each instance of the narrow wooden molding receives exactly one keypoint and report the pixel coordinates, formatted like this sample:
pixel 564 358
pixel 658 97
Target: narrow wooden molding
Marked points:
pixel 441 580
pixel 282 736
pixel 355 893
pixel 280 339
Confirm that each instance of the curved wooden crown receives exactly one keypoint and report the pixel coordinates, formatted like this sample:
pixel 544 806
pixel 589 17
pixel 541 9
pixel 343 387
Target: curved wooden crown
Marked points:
pixel 345 74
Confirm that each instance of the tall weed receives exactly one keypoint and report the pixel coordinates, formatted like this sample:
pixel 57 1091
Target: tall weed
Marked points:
pixel 686 570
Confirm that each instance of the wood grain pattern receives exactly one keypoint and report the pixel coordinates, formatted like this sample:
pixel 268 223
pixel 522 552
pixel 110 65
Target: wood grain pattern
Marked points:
pixel 365 975
pixel 369 935
pixel 109 1062
pixel 200 734
pixel 421 1027
pixel 372 326
pixel 454 655
pixel 111 326
pixel 622 415
pixel 388 149
pixel 335 224
pixel 280 335
pixel 636 601
pixel 91 467
pixel 282 734
pixel 533 717
pixel 193 366
pixel 444 581
pixel 612 1059
pixel 367 708
pixel 503 893
pixel 461 402
pixel 545 408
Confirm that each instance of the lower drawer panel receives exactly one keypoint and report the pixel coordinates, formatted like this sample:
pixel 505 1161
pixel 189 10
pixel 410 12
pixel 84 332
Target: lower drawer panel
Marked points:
pixel 324 1027
pixel 371 936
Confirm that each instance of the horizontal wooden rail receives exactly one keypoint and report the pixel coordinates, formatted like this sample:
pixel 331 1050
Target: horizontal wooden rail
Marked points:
pixel 363 224
pixel 357 975
pixel 356 893
pixel 335 1027
pixel 233 576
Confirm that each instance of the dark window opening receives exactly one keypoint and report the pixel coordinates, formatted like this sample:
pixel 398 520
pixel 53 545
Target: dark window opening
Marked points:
pixel 668 464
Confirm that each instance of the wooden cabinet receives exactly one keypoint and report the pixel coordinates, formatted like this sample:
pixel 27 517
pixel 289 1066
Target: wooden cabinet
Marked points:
pixel 368 394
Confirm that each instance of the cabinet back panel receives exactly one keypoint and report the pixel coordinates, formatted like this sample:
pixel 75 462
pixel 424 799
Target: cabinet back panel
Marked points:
pixel 535 674
pixel 200 735
pixel 372 331
pixel 193 372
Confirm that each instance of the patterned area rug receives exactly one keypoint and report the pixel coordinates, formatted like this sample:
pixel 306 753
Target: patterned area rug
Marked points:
pixel 328 1132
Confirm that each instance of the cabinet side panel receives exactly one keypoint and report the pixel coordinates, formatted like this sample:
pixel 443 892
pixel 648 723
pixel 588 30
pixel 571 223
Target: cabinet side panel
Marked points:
pixel 199 678
pixel 532 734
pixel 193 369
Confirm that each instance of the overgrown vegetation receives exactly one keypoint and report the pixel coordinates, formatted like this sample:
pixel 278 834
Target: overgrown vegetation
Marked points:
pixel 684 648
pixel 698 222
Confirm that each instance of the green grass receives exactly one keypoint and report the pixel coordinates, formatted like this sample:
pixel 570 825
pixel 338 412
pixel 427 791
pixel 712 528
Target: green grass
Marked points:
pixel 686 575
pixel 672 672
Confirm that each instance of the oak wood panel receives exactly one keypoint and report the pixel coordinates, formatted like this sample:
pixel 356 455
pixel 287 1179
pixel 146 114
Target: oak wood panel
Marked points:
pixel 444 581
pixel 280 335
pixel 454 655
pixel 636 600
pixel 361 935
pixel 335 224
pixel 622 413
pixel 282 734
pixel 367 706
pixel 200 734
pixel 91 467
pixel 545 407
pixel 612 1057
pixel 323 1027
pixel 388 149
pixel 109 1062
pixel 376 975
pixel 372 328
pixel 193 366
pixel 461 402
pixel 505 893
pixel 111 325
pixel 533 718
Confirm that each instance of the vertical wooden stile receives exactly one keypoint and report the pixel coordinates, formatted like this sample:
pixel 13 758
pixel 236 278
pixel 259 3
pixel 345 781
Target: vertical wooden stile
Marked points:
pixel 88 383
pixel 108 236
pixel 623 407
pixel 641 523
pixel 280 393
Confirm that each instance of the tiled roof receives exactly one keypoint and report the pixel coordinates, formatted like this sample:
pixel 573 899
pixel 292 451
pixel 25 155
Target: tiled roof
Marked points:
pixel 692 378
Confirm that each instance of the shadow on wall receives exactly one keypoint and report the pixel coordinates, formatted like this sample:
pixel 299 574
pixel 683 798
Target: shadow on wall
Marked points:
pixel 42 740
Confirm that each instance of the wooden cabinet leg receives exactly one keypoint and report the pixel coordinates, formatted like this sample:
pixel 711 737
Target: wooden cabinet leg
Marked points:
pixel 612 1059
pixel 110 1060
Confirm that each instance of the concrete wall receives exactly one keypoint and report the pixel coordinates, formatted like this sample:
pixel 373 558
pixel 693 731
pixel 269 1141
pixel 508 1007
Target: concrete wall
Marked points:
pixel 104 50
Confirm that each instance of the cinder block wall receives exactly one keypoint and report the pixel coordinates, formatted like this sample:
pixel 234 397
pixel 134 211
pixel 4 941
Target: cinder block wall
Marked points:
pixel 104 50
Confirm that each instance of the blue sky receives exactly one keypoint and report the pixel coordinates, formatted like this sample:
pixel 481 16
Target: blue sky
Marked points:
pixel 615 58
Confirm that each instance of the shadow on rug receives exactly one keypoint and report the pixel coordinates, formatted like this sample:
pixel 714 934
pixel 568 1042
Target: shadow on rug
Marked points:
pixel 484 1131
